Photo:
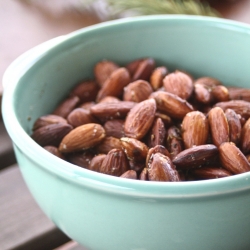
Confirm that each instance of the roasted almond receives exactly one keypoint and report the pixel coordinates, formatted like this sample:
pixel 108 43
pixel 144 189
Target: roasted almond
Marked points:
pixel 245 138
pixel 220 93
pixel 96 162
pixel 157 149
pixel 130 174
pixel 202 94
pixel 109 99
pixel 195 156
pixel 86 91
pixel 66 106
pixel 174 142
pixel 144 175
pixel 103 70
pixel 156 78
pixel 241 107
pixel 171 104
pixel 114 85
pixel 160 168
pixel 234 126
pixel 237 93
pixel 136 166
pixel 167 120
pixel 205 173
pixel 80 116
pixel 233 159
pixel 195 129
pixel 135 150
pixel 137 91
pixel 47 120
pixel 81 159
pixel 115 163
pixel 86 105
pixel 54 150
pixel 157 133
pixel 107 144
pixel 51 135
pixel 110 111
pixel 133 65
pixel 144 69
pixel 114 128
pixel 139 119
pixel 82 137
pixel 218 126
pixel 209 82
pixel 179 83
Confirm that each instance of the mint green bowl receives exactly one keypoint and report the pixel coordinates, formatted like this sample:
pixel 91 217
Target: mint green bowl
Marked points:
pixel 105 212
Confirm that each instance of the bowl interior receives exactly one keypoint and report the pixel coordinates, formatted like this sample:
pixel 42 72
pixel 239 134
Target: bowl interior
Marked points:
pixel 202 46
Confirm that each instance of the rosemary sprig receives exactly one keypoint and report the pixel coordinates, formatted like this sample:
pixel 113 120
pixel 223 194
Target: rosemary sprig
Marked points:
pixel 149 7
pixel 118 8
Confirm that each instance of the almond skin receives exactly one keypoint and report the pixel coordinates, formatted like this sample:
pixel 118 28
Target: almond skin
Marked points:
pixel 66 106
pixel 205 173
pixel 160 168
pixel 137 91
pixel 139 119
pixel 114 85
pixel 47 120
pixel 81 159
pixel 157 76
pixel 174 142
pixel 86 91
pixel 202 94
pixel 144 69
pixel 135 150
pixel 157 133
pixel 237 93
pixel 208 82
pixel 195 129
pixel 82 137
pixel 130 174
pixel 218 125
pixel 103 70
pixel 220 93
pixel 80 116
pixel 195 156
pixel 107 144
pixel 245 138
pixel 114 128
pixel 115 163
pixel 179 83
pixel 144 175
pixel 234 124
pixel 157 149
pixel 171 104
pixel 109 111
pixel 51 135
pixel 233 159
pixel 241 107
pixel 54 150
pixel 96 162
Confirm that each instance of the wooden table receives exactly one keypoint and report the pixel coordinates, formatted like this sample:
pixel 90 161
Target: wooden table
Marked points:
pixel 22 224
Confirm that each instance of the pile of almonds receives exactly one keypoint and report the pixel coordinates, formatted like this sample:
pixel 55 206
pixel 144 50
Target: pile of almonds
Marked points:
pixel 141 121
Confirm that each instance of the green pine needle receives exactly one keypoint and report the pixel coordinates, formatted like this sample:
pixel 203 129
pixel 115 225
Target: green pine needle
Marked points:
pixel 151 7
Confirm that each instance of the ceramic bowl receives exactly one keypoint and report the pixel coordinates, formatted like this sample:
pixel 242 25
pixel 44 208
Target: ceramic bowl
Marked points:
pixel 106 212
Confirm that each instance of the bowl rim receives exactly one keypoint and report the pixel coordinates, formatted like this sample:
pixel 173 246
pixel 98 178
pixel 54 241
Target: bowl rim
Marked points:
pixel 91 179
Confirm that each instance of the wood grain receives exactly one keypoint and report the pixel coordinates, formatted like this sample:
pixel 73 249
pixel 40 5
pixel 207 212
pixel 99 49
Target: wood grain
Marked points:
pixel 23 224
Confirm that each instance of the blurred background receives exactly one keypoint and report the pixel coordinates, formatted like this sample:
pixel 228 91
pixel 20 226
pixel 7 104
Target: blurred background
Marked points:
pixel 27 23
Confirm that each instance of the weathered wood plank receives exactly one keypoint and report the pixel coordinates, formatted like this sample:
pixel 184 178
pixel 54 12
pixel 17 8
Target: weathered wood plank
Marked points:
pixel 7 156
pixel 22 223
